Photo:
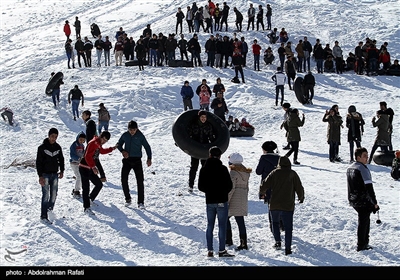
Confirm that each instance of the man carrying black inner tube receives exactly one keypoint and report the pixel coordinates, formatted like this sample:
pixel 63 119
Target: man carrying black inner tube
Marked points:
pixel 201 131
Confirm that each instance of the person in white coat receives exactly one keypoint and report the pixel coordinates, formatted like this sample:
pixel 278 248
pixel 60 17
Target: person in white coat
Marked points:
pixel 238 199
pixel 279 78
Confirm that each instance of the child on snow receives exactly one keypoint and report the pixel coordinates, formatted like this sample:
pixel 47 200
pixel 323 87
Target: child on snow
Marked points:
pixel 204 96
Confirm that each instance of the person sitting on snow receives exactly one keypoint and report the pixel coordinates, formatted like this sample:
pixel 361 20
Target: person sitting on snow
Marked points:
pixel 7 112
pixel 244 124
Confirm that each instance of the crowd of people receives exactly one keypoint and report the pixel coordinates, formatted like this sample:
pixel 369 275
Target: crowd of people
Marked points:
pixel 225 189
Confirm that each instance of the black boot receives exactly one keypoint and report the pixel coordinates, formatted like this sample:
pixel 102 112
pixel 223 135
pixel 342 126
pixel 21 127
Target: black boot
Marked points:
pixel 243 243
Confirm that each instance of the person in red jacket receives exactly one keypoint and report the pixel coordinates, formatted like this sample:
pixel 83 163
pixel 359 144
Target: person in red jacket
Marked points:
pixel 256 52
pixel 384 58
pixel 67 29
pixel 89 171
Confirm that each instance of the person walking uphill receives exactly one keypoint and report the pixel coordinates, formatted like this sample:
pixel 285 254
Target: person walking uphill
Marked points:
pixel 88 170
pixel 238 199
pixel 55 94
pixel 216 183
pixel 49 160
pixel 130 145
pixel 283 183
pixel 75 96
pixel 361 196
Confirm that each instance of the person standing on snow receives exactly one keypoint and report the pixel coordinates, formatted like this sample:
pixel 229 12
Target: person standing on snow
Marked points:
pixel 361 196
pixel 187 95
pixel 67 29
pixel 130 145
pixel 238 199
pixel 283 183
pixel 88 170
pixel 216 183
pixel 49 161
pixel 279 78
pixel 76 151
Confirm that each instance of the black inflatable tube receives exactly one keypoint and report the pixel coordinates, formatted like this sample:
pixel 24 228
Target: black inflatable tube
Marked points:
pixel 53 81
pixel 299 90
pixel 192 147
pixel 240 133
pixel 383 158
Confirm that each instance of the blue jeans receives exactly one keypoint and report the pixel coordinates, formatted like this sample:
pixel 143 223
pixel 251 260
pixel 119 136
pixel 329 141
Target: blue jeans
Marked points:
pixel 106 58
pixel 320 63
pixel 75 106
pixel 153 57
pixel 55 95
pixel 99 53
pixel 287 219
pixel 49 193
pixel 103 124
pixel 219 210
pixel 256 62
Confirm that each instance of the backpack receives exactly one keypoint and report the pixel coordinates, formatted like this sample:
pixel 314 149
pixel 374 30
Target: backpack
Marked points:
pixel 104 115
pixel 235 80
pixel 395 169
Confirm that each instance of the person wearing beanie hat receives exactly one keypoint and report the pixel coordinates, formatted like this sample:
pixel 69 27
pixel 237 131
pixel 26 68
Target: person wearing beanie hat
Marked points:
pixel 215 182
pixel 355 124
pixel 187 94
pixel 130 145
pixel 238 199
pixel 89 171
pixel 267 162
pixel 202 131
pixel 49 161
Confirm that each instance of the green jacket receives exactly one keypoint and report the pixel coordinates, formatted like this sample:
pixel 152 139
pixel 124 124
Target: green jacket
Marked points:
pixel 284 183
pixel 292 125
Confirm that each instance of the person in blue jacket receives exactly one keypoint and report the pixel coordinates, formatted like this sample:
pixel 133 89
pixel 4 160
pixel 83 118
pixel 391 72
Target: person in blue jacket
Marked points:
pixel 130 145
pixel 187 94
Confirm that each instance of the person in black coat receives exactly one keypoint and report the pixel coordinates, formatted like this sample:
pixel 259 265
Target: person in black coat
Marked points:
pixel 49 160
pixel 95 30
pixel 80 51
pixel 219 106
pixel 355 124
pixel 268 162
pixel 202 131
pixel 237 62
pixel 215 181
pixel 361 196
pixel 309 83
pixel 195 49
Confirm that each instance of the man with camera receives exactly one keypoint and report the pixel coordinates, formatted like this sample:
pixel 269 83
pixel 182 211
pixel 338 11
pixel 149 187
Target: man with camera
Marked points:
pixel 361 196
